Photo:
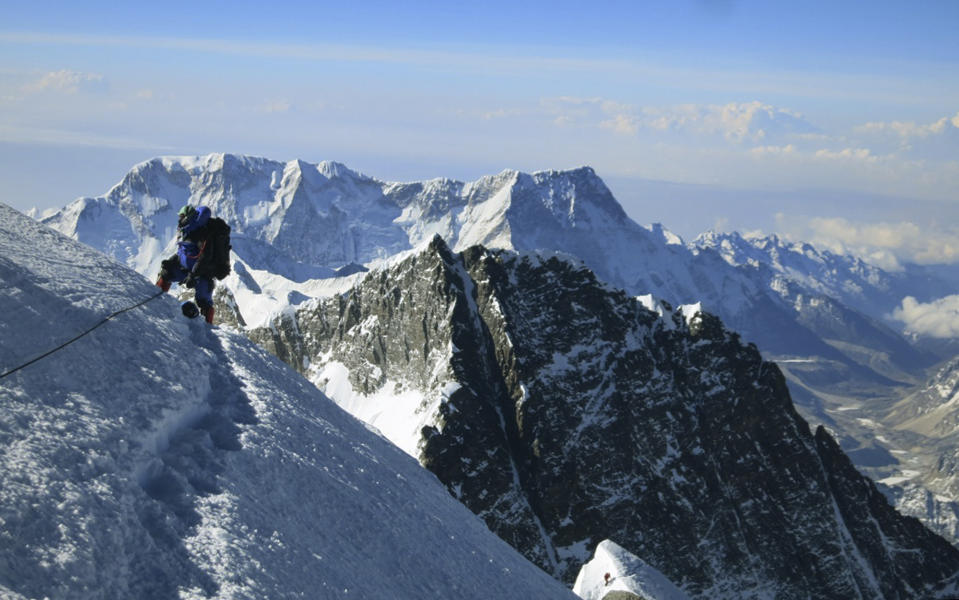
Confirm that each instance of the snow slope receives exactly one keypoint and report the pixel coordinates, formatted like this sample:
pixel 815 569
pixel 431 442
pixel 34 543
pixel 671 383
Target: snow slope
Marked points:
pixel 159 458
pixel 626 572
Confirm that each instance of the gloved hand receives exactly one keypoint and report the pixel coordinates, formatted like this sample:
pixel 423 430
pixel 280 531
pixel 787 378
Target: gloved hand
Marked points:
pixel 190 281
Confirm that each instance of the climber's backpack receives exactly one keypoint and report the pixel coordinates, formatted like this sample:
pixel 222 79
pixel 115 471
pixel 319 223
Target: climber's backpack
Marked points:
pixel 219 243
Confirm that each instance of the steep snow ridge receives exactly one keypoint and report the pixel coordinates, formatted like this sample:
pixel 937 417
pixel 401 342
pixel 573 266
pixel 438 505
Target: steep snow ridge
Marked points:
pixel 668 237
pixel 159 458
pixel 398 414
pixel 614 569
pixel 483 221
pixel 429 208
pixel 394 408
pixel 690 312
pixel 263 294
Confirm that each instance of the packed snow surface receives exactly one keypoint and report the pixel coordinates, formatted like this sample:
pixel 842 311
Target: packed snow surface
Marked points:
pixel 614 569
pixel 159 458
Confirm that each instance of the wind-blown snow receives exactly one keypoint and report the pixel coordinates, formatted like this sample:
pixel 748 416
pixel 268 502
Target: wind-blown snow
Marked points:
pixel 159 458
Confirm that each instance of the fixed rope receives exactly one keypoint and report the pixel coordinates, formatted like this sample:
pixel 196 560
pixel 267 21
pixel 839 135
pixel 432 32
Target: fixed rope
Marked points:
pixel 88 331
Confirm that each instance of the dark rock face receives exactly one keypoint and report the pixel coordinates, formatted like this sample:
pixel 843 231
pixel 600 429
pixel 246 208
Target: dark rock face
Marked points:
pixel 578 415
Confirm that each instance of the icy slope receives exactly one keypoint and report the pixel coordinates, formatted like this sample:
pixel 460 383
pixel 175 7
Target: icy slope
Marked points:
pixel 158 458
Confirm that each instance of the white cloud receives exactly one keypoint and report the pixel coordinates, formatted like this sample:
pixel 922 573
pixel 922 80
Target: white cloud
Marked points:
pixel 734 122
pixel 329 52
pixel 786 150
pixel 67 82
pixel 277 106
pixel 937 141
pixel 502 113
pixel 939 318
pixel 910 129
pixel 597 112
pixel 573 108
pixel 849 154
pixel 41 135
pixel 622 123
pixel 886 245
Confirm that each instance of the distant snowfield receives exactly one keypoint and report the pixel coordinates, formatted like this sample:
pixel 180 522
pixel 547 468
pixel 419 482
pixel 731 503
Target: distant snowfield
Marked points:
pixel 159 458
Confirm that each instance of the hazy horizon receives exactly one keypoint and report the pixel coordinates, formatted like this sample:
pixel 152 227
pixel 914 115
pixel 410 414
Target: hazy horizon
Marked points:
pixel 818 119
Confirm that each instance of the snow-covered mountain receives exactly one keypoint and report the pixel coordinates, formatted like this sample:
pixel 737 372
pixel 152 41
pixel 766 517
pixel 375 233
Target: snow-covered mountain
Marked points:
pixel 565 412
pixel 304 231
pixel 904 437
pixel 933 410
pixel 930 416
pixel 614 573
pixel 296 223
pixel 846 279
pixel 158 458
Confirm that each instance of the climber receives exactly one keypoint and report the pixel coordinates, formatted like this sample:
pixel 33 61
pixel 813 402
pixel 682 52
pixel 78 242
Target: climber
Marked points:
pixel 203 252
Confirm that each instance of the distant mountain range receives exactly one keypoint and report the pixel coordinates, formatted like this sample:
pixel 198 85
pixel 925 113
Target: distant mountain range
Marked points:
pixel 304 231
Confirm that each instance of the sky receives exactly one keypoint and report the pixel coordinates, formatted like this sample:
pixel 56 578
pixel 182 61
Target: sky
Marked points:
pixel 833 122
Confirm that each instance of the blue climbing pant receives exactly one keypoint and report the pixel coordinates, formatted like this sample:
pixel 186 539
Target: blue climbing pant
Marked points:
pixel 203 287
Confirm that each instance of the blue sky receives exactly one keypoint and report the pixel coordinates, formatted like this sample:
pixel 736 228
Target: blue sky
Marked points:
pixel 757 114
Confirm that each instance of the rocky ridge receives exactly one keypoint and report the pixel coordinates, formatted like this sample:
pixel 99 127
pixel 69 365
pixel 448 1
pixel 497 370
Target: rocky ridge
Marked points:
pixel 564 412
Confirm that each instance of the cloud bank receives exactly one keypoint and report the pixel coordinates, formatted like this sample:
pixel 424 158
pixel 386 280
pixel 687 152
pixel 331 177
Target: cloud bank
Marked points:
pixel 68 82
pixel 886 245
pixel 939 318
pixel 758 144
pixel 736 122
